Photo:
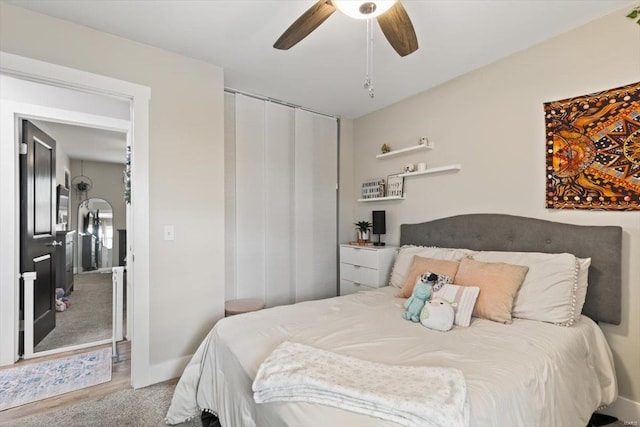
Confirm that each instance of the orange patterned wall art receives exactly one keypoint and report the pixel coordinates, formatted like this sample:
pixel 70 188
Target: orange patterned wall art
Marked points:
pixel 593 151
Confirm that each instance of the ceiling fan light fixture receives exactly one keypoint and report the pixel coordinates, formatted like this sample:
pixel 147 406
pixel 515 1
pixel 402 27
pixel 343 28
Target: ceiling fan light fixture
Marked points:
pixel 359 9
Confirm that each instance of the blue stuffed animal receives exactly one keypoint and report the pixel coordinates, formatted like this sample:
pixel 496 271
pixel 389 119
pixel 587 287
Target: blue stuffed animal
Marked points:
pixel 421 293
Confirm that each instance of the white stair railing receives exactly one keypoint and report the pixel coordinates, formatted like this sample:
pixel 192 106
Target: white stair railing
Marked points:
pixel 29 279
pixel 118 293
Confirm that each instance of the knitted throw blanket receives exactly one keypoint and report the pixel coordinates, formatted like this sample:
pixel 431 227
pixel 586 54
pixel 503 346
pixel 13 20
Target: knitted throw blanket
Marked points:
pixel 407 395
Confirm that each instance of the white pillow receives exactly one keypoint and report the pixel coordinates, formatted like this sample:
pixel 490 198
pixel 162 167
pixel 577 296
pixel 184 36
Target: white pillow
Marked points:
pixel 583 282
pixel 549 291
pixel 405 254
pixel 465 298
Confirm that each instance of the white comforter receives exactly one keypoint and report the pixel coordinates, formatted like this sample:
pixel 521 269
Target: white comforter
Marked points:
pixel 527 373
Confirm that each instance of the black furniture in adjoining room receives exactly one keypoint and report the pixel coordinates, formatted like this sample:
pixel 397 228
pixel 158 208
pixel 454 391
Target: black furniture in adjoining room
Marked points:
pixel 89 252
pixel 122 247
pixel 64 260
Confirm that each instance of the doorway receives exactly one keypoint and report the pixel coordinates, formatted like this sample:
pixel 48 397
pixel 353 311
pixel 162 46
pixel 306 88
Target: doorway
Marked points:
pixel 138 218
pixel 90 205
pixel 78 234
pixel 61 149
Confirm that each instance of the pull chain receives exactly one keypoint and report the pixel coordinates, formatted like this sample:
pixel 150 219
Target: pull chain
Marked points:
pixel 368 81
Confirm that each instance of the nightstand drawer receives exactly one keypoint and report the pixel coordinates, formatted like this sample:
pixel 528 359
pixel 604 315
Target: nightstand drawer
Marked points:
pixel 347 287
pixel 363 275
pixel 359 256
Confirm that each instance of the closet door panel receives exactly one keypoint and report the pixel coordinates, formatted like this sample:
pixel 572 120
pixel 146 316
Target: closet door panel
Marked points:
pixel 250 197
pixel 325 219
pixel 279 185
pixel 315 206
pixel 230 194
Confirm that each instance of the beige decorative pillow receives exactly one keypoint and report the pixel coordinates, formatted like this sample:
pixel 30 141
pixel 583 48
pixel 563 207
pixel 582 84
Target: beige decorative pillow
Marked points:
pixel 421 265
pixel 498 282
pixel 404 258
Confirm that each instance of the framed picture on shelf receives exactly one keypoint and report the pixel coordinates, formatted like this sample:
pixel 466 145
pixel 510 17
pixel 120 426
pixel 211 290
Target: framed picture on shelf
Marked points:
pixel 395 184
pixel 373 188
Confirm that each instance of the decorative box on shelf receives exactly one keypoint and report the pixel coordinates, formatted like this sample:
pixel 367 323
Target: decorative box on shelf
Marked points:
pixel 364 268
pixel 355 243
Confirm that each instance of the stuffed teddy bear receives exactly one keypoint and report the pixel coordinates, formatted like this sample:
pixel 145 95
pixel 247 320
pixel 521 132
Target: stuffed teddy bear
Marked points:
pixel 438 314
pixel 421 293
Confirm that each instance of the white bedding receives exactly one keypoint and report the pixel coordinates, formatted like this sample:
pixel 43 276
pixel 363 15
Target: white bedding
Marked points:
pixel 526 373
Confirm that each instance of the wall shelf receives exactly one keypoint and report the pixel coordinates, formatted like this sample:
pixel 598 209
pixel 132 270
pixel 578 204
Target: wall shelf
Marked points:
pixel 382 199
pixel 433 170
pixel 427 146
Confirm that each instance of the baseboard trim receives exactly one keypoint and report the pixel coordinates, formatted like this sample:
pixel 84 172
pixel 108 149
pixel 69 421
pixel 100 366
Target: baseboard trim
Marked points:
pixel 165 371
pixel 624 409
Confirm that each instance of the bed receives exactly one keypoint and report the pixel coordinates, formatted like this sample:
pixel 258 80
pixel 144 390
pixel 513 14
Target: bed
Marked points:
pixel 527 372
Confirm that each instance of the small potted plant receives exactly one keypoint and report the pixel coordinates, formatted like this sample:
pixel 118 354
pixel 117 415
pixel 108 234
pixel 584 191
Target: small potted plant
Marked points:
pixel 363 228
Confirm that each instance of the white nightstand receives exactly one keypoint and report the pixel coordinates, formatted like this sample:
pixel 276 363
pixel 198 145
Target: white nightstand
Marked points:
pixel 363 268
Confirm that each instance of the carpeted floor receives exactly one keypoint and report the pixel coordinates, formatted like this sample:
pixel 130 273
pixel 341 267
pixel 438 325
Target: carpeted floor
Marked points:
pixel 88 319
pixel 144 407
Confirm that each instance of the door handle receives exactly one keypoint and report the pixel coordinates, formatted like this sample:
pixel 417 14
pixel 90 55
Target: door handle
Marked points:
pixel 41 258
pixel 54 243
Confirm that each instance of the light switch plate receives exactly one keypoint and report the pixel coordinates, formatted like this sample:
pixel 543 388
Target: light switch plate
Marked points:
pixel 168 232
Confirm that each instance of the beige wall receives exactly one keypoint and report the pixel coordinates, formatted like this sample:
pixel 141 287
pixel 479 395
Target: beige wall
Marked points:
pixel 186 155
pixel 491 121
pixel 346 231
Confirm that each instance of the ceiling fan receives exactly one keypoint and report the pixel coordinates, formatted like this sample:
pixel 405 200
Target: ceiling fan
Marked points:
pixel 391 15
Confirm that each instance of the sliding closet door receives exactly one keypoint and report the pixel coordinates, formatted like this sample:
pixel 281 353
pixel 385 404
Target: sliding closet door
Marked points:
pixel 250 197
pixel 315 204
pixel 281 178
pixel 279 186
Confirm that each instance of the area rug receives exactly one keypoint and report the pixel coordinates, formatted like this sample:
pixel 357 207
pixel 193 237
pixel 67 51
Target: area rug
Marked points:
pixel 38 381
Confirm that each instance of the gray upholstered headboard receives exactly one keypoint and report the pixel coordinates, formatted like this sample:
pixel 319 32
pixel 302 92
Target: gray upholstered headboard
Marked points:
pixel 498 232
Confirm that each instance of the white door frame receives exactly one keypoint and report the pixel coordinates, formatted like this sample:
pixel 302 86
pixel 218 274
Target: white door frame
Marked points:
pixel 138 222
pixel 13 112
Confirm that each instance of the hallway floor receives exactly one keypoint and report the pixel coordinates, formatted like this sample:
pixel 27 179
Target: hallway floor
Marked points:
pixel 88 319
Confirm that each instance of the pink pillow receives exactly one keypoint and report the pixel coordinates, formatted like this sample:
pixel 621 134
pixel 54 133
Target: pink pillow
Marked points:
pixel 498 282
pixel 421 265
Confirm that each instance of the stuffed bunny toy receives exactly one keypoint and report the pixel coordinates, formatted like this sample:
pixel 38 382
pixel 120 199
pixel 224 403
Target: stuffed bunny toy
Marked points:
pixel 438 314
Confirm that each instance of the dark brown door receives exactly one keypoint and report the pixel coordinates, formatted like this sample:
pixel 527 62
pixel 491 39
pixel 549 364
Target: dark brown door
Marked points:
pixel 37 226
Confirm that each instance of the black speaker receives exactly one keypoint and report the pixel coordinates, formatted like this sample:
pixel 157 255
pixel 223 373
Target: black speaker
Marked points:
pixel 379 225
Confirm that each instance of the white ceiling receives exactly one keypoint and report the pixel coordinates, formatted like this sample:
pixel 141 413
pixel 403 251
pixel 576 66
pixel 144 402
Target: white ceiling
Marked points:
pixel 84 143
pixel 325 71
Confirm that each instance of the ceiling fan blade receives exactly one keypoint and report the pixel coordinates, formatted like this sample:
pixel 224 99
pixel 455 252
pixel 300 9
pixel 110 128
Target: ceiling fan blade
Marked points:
pixel 398 29
pixel 303 26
